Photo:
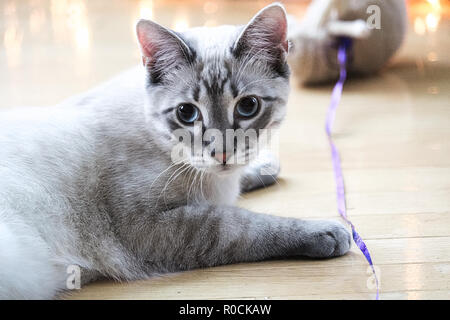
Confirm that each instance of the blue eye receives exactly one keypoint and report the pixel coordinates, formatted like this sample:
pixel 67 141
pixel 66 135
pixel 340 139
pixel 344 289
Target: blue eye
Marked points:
pixel 247 107
pixel 188 113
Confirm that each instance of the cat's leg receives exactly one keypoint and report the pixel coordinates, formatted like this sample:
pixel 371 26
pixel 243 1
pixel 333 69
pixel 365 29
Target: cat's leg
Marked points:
pixel 261 173
pixel 202 236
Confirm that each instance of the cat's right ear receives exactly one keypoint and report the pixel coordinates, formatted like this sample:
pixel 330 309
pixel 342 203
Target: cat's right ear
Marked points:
pixel 162 50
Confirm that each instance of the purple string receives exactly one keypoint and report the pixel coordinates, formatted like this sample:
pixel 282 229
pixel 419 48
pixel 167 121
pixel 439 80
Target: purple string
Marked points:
pixel 340 188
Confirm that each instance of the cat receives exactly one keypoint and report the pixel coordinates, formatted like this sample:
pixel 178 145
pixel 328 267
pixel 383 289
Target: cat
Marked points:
pixel 92 183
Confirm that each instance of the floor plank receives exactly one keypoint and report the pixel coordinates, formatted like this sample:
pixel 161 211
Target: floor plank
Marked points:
pixel 281 280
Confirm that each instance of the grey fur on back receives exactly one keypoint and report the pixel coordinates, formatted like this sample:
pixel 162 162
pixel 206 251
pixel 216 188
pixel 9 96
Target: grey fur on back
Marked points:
pixel 91 182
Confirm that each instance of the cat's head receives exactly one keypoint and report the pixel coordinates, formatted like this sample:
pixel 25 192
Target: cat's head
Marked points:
pixel 205 84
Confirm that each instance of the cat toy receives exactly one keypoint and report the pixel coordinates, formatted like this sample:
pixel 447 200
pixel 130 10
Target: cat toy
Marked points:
pixel 344 47
pixel 369 32
pixel 377 28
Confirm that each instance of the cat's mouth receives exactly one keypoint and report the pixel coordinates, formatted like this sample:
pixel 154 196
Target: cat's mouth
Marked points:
pixel 222 168
pixel 219 163
pixel 225 169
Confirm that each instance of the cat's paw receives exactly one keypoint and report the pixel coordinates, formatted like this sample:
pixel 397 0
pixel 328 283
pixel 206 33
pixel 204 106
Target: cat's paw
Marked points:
pixel 327 239
pixel 263 172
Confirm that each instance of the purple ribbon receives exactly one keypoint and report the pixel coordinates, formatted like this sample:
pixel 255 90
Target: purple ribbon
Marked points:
pixel 345 44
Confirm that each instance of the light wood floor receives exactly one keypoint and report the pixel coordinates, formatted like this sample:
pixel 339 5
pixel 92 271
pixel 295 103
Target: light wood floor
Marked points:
pixel 393 131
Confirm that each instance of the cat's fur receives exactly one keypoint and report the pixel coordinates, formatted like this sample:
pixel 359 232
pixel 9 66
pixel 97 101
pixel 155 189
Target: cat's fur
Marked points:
pixel 91 183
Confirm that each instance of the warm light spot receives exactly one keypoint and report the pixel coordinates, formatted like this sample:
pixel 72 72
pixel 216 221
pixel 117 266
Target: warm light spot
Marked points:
pixel 37 20
pixel 432 56
pixel 146 9
pixel 70 17
pixel 419 26
pixel 436 4
pixel 210 7
pixel 180 24
pixel 143 10
pixel 58 15
pixel 432 22
pixel 76 12
pixel 82 38
pixel 12 41
pixel 433 90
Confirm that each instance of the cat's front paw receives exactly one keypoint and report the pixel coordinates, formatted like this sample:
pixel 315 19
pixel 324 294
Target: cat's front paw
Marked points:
pixel 327 239
pixel 263 172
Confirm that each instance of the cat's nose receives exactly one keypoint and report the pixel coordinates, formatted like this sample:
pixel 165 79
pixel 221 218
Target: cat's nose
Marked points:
pixel 221 157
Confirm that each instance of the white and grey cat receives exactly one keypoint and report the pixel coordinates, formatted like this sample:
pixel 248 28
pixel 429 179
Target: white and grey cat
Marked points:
pixel 91 183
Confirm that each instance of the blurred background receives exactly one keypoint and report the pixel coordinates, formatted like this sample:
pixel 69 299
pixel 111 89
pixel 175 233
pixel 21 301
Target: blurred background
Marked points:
pixel 50 49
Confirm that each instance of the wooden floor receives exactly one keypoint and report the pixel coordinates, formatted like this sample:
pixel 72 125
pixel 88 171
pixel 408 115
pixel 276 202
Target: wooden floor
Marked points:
pixel 393 131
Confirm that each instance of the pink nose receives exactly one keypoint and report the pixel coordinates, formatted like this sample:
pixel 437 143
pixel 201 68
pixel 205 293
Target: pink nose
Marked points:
pixel 221 157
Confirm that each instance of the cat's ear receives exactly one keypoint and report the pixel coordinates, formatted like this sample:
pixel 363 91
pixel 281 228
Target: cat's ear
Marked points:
pixel 265 35
pixel 162 49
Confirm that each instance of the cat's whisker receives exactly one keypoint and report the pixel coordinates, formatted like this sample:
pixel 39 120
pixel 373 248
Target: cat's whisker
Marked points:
pixel 159 175
pixel 174 179
pixel 192 177
pixel 197 185
pixel 189 183
pixel 185 167
pixel 201 183
pixel 168 182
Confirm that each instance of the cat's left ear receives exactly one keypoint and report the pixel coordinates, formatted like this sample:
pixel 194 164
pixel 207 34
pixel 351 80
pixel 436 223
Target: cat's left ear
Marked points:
pixel 265 35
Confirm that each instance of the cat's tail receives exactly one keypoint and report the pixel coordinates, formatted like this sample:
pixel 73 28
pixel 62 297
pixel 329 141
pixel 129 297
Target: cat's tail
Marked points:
pixel 377 28
pixel 26 270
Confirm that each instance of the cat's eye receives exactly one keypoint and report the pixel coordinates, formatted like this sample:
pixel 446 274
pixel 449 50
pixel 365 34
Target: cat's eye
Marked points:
pixel 247 107
pixel 188 113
